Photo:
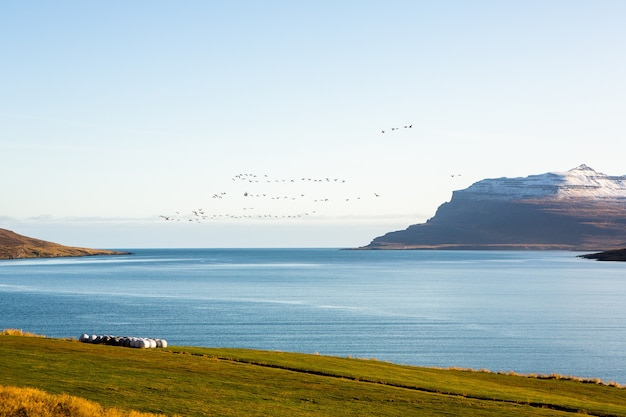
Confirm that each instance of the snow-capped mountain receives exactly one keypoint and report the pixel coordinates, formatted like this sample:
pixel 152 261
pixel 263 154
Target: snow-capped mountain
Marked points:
pixel 579 182
pixel 580 209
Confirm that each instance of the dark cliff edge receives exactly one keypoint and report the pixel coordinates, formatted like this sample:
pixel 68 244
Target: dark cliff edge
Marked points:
pixel 15 246
pixel 545 224
pixel 609 255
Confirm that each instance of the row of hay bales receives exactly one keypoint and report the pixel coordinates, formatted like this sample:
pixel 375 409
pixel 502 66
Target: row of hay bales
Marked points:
pixel 125 341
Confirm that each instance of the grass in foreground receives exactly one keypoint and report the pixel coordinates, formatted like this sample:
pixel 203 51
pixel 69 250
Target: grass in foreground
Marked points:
pixel 232 382
pixel 16 401
pixel 18 332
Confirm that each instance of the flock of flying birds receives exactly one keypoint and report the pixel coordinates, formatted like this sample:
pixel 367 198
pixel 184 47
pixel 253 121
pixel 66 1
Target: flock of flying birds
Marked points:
pixel 259 192
pixel 257 202
pixel 398 128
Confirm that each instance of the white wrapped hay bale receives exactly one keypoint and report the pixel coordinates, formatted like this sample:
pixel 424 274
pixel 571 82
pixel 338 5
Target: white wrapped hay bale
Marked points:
pixel 125 341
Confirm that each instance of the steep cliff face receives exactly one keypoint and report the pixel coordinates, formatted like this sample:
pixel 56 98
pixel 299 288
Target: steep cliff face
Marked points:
pixel 577 210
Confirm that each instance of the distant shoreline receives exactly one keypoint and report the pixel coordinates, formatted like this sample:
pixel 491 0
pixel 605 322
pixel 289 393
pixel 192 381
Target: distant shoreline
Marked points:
pixel 485 247
pixel 617 255
pixel 91 252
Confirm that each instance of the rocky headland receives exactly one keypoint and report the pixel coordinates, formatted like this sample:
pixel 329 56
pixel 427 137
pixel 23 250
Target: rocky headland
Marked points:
pixel 15 246
pixel 609 255
pixel 580 209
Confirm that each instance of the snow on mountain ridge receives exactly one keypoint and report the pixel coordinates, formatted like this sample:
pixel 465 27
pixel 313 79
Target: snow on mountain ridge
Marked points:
pixel 579 182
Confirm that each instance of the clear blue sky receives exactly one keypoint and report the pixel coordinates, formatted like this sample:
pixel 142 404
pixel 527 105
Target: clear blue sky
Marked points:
pixel 114 113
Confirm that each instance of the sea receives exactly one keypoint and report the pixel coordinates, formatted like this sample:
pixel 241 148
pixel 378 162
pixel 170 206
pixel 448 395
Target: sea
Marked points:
pixel 530 312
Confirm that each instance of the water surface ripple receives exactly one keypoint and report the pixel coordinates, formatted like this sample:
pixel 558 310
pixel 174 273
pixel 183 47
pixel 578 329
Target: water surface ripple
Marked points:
pixel 529 312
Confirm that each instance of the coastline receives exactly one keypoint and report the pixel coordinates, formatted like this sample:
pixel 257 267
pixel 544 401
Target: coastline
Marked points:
pixel 80 253
pixel 615 255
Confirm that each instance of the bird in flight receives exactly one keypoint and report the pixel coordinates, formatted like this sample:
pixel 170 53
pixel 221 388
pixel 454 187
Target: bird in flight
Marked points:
pixel 397 128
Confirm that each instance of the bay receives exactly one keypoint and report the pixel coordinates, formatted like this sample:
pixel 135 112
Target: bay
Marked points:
pixel 523 311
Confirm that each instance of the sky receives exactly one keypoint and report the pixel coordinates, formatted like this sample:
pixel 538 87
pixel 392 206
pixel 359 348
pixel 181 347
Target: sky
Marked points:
pixel 266 118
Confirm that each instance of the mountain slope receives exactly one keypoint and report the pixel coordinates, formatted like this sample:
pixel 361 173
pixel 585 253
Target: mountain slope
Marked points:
pixel 580 209
pixel 14 246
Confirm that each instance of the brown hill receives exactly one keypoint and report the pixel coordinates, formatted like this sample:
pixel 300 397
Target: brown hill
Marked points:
pixel 14 246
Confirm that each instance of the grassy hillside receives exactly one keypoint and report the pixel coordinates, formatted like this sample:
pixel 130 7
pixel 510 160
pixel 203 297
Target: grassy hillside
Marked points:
pixel 193 381
pixel 15 246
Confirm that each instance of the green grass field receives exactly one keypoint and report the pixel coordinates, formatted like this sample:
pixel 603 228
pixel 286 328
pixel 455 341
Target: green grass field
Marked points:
pixel 192 381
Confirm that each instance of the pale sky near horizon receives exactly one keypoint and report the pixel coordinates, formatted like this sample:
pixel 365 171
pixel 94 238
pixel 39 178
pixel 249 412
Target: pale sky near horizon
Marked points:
pixel 114 113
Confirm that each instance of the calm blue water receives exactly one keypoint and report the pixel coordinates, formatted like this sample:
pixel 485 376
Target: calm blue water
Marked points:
pixel 530 312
